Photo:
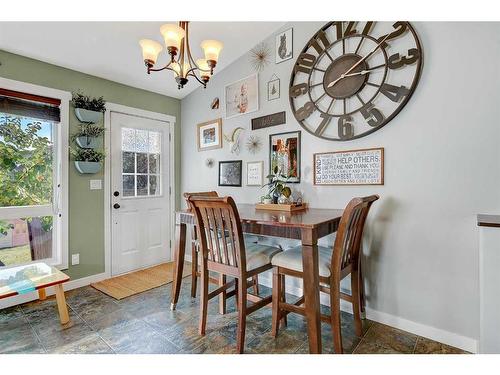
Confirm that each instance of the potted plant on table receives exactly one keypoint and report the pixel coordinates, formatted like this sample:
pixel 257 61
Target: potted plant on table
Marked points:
pixel 277 186
pixel 88 135
pixel 88 109
pixel 87 160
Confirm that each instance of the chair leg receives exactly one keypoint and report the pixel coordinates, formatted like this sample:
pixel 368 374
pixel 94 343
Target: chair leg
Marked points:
pixel 203 300
pixel 276 301
pixel 222 296
pixel 356 309
pixel 284 321
pixel 362 297
pixel 236 283
pixel 255 284
pixel 242 315
pixel 194 270
pixel 335 315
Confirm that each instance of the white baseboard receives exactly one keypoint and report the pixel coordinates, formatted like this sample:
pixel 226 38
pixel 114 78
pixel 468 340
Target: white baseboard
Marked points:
pixel 72 284
pixel 462 342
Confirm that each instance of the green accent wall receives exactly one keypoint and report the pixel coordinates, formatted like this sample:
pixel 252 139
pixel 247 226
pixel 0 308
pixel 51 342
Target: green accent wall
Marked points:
pixel 86 207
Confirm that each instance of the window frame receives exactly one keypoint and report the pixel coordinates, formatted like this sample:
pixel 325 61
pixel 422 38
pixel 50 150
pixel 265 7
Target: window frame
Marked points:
pixel 60 200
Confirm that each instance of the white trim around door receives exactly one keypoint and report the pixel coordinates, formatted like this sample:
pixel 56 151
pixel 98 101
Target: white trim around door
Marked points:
pixel 118 108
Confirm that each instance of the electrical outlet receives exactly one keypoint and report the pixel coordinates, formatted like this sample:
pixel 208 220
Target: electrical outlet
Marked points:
pixel 75 259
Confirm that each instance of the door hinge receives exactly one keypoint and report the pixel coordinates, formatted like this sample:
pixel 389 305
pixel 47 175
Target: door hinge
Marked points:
pixel 170 243
pixel 169 137
pixel 170 190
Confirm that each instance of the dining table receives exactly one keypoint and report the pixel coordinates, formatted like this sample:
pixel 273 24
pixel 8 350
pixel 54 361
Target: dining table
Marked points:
pixel 307 225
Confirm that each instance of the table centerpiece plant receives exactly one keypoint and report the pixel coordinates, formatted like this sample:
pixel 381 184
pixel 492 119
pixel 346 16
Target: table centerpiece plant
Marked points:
pixel 277 186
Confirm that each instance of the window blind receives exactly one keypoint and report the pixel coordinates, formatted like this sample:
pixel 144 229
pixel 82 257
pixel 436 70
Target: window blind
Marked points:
pixel 22 104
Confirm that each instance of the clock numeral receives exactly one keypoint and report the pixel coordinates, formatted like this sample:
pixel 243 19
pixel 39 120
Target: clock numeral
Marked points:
pixel 349 30
pixel 400 30
pixel 305 111
pixel 394 93
pixel 299 90
pixel 396 61
pixel 324 123
pixel 320 42
pixel 346 130
pixel 372 115
pixel 305 62
pixel 367 28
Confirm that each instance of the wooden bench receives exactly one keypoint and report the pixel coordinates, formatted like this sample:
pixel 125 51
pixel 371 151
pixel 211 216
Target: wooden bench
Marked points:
pixel 38 276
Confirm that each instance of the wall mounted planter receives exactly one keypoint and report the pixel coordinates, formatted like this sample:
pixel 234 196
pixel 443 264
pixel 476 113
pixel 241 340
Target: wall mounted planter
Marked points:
pixel 88 142
pixel 84 115
pixel 87 167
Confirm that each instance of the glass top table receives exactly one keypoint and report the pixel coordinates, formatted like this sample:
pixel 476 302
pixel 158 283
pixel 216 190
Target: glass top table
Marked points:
pixel 34 277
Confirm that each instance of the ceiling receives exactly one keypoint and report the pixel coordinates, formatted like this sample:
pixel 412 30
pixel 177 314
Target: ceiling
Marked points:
pixel 110 49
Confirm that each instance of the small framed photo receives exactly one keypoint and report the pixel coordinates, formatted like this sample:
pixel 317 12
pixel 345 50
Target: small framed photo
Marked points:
pixel 255 173
pixel 273 89
pixel 284 153
pixel 284 46
pixel 230 173
pixel 242 96
pixel 209 135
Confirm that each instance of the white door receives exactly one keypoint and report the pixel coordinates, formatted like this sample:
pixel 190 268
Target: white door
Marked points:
pixel 140 186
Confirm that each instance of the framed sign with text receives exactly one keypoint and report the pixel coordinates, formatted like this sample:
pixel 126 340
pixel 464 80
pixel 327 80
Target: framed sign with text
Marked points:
pixel 269 120
pixel 352 167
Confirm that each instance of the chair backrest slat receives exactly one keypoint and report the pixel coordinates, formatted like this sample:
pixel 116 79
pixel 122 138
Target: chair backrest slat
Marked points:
pixel 219 228
pixel 349 234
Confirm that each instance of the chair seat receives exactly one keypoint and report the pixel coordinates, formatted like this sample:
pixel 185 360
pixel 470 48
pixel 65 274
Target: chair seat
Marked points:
pixel 259 255
pixel 292 259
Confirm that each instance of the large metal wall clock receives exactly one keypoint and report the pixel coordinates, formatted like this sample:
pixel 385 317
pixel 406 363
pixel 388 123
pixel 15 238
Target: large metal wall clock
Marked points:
pixel 353 77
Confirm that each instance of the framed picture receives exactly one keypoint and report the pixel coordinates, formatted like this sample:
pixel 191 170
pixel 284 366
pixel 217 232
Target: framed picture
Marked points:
pixel 273 89
pixel 255 173
pixel 209 135
pixel 284 46
pixel 242 96
pixel 284 153
pixel 230 173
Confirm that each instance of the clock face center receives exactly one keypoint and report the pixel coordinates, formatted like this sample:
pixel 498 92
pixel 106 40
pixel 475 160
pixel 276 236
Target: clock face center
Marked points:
pixel 349 85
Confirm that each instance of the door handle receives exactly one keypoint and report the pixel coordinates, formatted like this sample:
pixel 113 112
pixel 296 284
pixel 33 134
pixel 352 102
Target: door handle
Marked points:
pixel 116 193
pixel 116 206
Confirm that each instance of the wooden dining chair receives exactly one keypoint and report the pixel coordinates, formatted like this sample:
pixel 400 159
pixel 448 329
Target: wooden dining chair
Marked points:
pixel 334 265
pixel 195 273
pixel 228 255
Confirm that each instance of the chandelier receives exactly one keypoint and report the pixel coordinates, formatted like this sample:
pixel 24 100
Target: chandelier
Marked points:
pixel 181 61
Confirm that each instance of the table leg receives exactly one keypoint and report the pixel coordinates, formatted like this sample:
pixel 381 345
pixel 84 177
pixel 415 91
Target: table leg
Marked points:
pixel 179 251
pixel 311 291
pixel 61 304
pixel 42 295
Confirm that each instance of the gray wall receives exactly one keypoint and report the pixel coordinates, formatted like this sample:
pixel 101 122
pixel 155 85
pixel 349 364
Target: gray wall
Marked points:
pixel 441 169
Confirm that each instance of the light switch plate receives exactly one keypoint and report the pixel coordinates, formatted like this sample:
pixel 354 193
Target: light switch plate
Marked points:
pixel 95 184
pixel 75 259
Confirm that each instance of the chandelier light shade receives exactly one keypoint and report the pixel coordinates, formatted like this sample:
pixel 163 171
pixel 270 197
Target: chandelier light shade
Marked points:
pixel 176 38
pixel 150 50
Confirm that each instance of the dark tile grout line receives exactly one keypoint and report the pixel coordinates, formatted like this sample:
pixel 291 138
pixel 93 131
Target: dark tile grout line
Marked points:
pixel 363 337
pixel 33 329
pixel 416 342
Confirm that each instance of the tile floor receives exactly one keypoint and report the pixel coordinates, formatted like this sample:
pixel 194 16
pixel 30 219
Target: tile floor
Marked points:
pixel 144 324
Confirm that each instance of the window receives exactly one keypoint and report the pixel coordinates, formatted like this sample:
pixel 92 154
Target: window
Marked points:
pixel 31 220
pixel 141 163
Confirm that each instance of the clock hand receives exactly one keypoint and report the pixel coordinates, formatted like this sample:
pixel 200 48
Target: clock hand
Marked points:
pixel 331 84
pixel 361 72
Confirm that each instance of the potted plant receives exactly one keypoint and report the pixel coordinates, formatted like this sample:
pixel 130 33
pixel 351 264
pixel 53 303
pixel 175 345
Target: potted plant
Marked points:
pixel 87 160
pixel 277 185
pixel 88 135
pixel 88 109
pixel 266 199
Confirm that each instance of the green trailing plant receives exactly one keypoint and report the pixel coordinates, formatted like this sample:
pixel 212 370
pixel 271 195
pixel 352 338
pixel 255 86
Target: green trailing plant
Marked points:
pixel 88 130
pixel 277 183
pixel 87 154
pixel 86 102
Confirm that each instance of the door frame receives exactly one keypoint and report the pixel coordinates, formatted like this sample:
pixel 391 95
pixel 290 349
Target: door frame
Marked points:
pixel 118 108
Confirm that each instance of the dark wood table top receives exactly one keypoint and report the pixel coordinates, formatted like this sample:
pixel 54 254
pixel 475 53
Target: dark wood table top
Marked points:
pixel 308 218
pixel 488 220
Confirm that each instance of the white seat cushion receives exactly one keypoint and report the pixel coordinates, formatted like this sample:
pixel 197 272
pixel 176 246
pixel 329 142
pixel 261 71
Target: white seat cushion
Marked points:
pixel 259 255
pixel 292 259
